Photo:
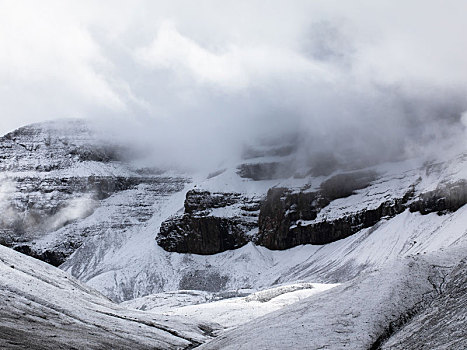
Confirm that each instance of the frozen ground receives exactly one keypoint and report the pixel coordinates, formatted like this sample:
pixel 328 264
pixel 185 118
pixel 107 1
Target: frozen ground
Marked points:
pixel 42 307
pixel 354 315
pixel 230 311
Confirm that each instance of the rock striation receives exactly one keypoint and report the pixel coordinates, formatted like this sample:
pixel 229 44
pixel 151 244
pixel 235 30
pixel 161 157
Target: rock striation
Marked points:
pixel 442 324
pixel 57 179
pixel 53 175
pixel 288 218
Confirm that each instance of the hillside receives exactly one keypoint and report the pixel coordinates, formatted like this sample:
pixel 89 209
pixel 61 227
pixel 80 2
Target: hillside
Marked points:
pixel 345 256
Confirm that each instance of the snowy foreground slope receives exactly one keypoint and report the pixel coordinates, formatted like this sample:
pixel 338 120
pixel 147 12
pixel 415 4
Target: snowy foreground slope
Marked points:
pixel 42 307
pixel 400 283
pixel 364 312
pixel 386 268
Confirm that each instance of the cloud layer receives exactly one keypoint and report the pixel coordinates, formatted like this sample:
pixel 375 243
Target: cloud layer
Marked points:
pixel 193 82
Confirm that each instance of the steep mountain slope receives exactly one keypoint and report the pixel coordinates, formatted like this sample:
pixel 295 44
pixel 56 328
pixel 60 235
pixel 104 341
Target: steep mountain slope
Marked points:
pixel 356 314
pixel 135 266
pixel 57 173
pixel 442 324
pixel 42 307
pixel 254 246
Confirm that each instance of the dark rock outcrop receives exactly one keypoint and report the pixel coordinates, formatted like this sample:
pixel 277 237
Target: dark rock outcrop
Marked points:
pixel 324 232
pixel 265 171
pixel 281 213
pixel 448 197
pixel 55 258
pixel 201 235
pixel 197 231
pixel 282 209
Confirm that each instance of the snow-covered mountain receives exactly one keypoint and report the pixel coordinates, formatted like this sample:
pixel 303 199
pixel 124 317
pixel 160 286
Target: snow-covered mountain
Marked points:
pixel 276 256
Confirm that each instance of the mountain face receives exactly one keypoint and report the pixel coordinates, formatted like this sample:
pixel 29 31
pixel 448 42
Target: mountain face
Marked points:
pixel 265 251
pixel 285 218
pixel 55 174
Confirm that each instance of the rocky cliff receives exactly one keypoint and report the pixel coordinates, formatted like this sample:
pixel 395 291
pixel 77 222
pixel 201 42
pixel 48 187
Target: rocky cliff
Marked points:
pixel 287 218
pixel 211 223
pixel 53 175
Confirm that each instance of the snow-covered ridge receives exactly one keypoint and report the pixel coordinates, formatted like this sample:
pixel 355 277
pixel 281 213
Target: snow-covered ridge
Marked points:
pixel 55 174
pixel 42 307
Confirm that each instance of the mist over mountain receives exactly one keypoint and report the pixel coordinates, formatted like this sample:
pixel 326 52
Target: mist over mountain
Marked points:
pixel 233 174
pixel 194 84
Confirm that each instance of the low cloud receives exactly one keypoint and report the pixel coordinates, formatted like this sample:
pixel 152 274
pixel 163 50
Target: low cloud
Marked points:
pixel 76 208
pixel 192 84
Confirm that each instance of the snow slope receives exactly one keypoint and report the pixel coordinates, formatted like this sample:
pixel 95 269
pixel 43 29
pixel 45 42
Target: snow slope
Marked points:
pixel 137 266
pixel 442 324
pixel 388 274
pixel 42 307
pixel 352 315
pixel 229 311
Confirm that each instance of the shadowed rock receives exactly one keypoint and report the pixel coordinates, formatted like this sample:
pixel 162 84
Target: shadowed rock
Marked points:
pixel 281 213
pixel 448 197
pixel 266 171
pixel 198 232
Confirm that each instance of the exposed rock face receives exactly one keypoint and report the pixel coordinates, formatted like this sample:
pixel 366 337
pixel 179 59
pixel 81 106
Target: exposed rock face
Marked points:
pixel 53 175
pixel 201 235
pixel 52 257
pixel 449 197
pixel 200 231
pixel 283 211
pixel 198 201
pixel 287 218
pixel 289 235
pixel 265 171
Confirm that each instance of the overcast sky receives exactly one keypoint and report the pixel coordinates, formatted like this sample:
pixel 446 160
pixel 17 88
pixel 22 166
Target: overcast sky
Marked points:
pixel 190 75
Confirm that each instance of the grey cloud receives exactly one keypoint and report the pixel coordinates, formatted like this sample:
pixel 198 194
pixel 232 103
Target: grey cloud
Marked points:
pixel 193 84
